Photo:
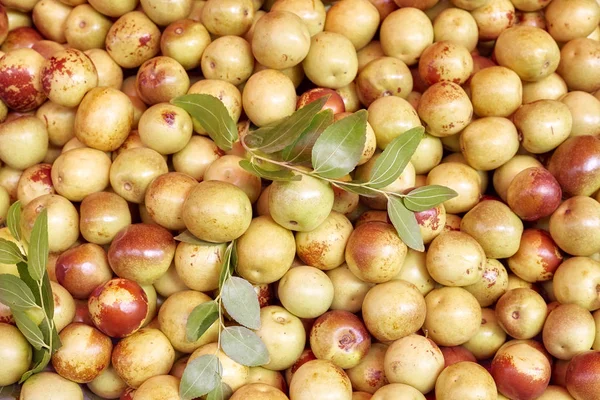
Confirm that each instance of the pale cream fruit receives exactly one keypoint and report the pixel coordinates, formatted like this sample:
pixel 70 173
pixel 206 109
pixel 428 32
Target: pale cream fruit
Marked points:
pixel 369 375
pixel 465 380
pixel 39 386
pixel 405 23
pixel 397 391
pixel 320 376
pixel 414 270
pixel 284 336
pixel 455 259
pixel 332 61
pixel 16 353
pixel 268 97
pixel 348 290
pixel 306 292
pixel 492 285
pixel 414 360
pixel 489 338
pixel 80 172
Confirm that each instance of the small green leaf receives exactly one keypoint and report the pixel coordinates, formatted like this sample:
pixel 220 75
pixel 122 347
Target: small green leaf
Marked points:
pixel 31 284
pixel 275 138
pixel 41 358
pixel 392 161
pixel 15 293
pixel 13 220
pixel 427 197
pixel 339 148
pixel 221 392
pixel 29 329
pixel 212 115
pixel 50 335
pixel 201 318
pixel 244 346
pixel 38 246
pixel 277 175
pixel 9 252
pixel 405 223
pixel 187 237
pixel 200 377
pixel 356 187
pixel 301 150
pixel 241 302
pixel 47 295
pixel 227 267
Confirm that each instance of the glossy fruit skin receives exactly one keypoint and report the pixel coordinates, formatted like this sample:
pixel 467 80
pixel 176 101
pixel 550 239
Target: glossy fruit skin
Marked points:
pixel 576 165
pixel 119 307
pixel 582 376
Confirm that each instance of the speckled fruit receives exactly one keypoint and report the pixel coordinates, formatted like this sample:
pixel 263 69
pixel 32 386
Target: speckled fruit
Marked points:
pixel 538 256
pixel 576 165
pixel 320 376
pixel 521 371
pixel 119 307
pixel 569 330
pixel 374 252
pixel 582 377
pixel 521 312
pixel 67 76
pixel 144 354
pixel 534 193
pixel 445 109
pixel 103 215
pixel 393 310
pixel 165 197
pixel 142 252
pixel 21 87
pixel 83 268
pixel 84 353
pixel 340 337
pixel 133 39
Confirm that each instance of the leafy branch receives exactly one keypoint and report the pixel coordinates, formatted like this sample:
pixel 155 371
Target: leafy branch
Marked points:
pixel 203 375
pixel 331 150
pixel 29 295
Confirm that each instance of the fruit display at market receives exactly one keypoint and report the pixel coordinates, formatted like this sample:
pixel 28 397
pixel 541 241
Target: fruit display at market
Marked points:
pixel 300 199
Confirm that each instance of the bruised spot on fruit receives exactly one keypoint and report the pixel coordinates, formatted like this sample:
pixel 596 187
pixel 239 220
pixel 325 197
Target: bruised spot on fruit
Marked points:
pixel 515 315
pixel 313 253
pixel 348 341
pixel 169 117
pixel 42 174
pixel 144 39
pixel 432 73
pixel 429 218
pixel 374 377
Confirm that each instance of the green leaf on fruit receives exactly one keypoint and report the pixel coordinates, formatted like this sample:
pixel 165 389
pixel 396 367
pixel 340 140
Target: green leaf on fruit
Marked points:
pixel 187 237
pixel 277 137
pixel 9 252
pixel 392 161
pixel 229 263
pixel 15 293
pixel 212 115
pixel 241 302
pixel 405 223
pixel 339 148
pixel 38 246
pixel 50 335
pixel 13 220
pixel 200 377
pixel 201 318
pixel 276 175
pixel 221 392
pixel 244 346
pixel 427 197
pixel 48 295
pixel 29 329
pixel 356 187
pixel 301 150
pixel 41 358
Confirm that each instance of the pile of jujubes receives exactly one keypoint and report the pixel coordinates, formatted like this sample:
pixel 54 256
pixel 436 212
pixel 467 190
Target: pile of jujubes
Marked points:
pixel 504 303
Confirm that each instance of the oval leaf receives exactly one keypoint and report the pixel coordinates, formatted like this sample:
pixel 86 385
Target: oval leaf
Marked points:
pixel 392 161
pixel 38 246
pixel 212 115
pixel 41 358
pixel 201 318
pixel 244 346
pixel 13 220
pixel 15 293
pixel 200 377
pixel 29 329
pixel 339 148
pixel 277 175
pixel 241 302
pixel 227 267
pixel 9 252
pixel 357 188
pixel 221 392
pixel 187 237
pixel 47 295
pixel 427 197
pixel 405 223
pixel 300 151
pixel 275 138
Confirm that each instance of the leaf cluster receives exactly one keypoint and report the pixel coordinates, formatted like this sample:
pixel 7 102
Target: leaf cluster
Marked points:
pixel 29 295
pixel 309 137
pixel 203 375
